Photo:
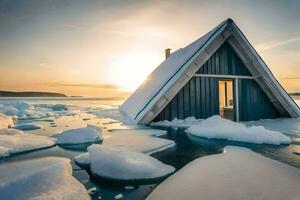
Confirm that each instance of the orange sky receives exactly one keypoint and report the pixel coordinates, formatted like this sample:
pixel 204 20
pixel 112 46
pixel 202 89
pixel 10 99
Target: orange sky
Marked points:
pixel 107 48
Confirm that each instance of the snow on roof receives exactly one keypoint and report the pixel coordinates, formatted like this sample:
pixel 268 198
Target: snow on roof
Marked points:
pixel 163 76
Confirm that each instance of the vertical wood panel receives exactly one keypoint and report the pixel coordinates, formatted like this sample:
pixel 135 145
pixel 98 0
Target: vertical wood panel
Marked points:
pixel 200 96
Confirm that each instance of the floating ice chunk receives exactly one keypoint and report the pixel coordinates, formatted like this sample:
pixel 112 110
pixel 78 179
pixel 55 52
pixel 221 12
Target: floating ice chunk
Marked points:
pixel 5 121
pixel 80 135
pixel 119 196
pixel 139 142
pixel 220 128
pixel 236 174
pixel 10 131
pixel 92 190
pixel 13 143
pixel 149 132
pixel 129 187
pixel 297 152
pixel 184 123
pixel 133 140
pixel 117 164
pixel 283 125
pixel 44 178
pixel 83 159
pixel 28 126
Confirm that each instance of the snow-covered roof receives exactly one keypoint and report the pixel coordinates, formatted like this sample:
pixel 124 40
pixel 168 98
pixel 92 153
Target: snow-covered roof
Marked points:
pixel 160 86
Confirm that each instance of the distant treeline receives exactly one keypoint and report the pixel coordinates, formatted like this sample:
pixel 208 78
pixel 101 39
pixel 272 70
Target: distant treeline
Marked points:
pixel 30 94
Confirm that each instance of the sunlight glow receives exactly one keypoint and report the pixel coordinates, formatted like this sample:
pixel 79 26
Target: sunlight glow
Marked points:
pixel 130 70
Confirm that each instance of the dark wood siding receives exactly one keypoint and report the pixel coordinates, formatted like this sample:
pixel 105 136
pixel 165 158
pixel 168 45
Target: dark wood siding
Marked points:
pixel 254 103
pixel 200 96
pixel 224 61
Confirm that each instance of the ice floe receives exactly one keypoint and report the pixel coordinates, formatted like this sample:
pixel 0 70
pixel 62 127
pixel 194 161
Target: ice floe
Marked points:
pixel 139 142
pixel 28 126
pixel 236 174
pixel 80 135
pixel 10 131
pixel 133 140
pixel 83 160
pixel 220 128
pixel 39 179
pixel 184 123
pixel 23 110
pixel 284 125
pixel 5 121
pixel 13 142
pixel 120 164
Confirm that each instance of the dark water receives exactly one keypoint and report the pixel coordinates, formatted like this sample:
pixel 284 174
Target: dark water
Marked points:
pixel 188 148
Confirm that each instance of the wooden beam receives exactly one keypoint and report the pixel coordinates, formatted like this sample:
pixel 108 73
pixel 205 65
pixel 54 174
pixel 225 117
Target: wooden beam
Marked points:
pixel 224 76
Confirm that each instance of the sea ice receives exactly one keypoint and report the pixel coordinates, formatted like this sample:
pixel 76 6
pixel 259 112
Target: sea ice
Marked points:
pixel 5 121
pixel 28 126
pixel 117 164
pixel 220 128
pixel 184 123
pixel 83 160
pixel 140 142
pixel 22 110
pixel 236 174
pixel 133 140
pixel 283 125
pixel 80 135
pixel 13 142
pixel 40 179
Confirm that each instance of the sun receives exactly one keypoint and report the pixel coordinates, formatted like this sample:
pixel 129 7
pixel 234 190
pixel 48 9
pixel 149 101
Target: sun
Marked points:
pixel 130 70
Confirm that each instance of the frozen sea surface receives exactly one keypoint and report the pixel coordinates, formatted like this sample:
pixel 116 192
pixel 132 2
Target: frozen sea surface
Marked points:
pixel 104 113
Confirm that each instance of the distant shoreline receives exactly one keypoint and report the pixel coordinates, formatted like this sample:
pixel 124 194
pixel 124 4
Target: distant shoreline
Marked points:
pixel 295 94
pixel 30 94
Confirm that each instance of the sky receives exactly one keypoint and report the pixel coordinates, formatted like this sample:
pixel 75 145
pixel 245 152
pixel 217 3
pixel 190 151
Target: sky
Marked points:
pixel 106 48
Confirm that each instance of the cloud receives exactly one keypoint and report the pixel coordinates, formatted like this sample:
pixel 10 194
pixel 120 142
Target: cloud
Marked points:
pixel 270 45
pixel 290 78
pixel 98 86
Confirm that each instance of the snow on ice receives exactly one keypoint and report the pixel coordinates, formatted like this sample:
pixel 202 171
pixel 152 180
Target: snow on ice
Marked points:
pixel 133 140
pixel 13 141
pixel 184 123
pixel 80 135
pixel 236 174
pixel 39 179
pixel 117 164
pixel 22 110
pixel 5 121
pixel 220 128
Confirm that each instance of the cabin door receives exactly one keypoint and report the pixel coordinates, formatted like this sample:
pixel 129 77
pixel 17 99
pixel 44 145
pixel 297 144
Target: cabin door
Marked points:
pixel 226 107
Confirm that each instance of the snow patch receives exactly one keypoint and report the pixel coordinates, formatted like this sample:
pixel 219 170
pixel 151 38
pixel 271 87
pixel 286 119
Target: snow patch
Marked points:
pixel 80 135
pixel 220 128
pixel 40 179
pixel 236 174
pixel 117 164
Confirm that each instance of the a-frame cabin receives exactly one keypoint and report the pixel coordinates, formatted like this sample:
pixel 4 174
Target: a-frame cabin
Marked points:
pixel 218 74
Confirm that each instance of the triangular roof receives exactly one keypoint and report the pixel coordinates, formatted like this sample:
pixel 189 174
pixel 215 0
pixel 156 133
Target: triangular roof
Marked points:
pixel 172 74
